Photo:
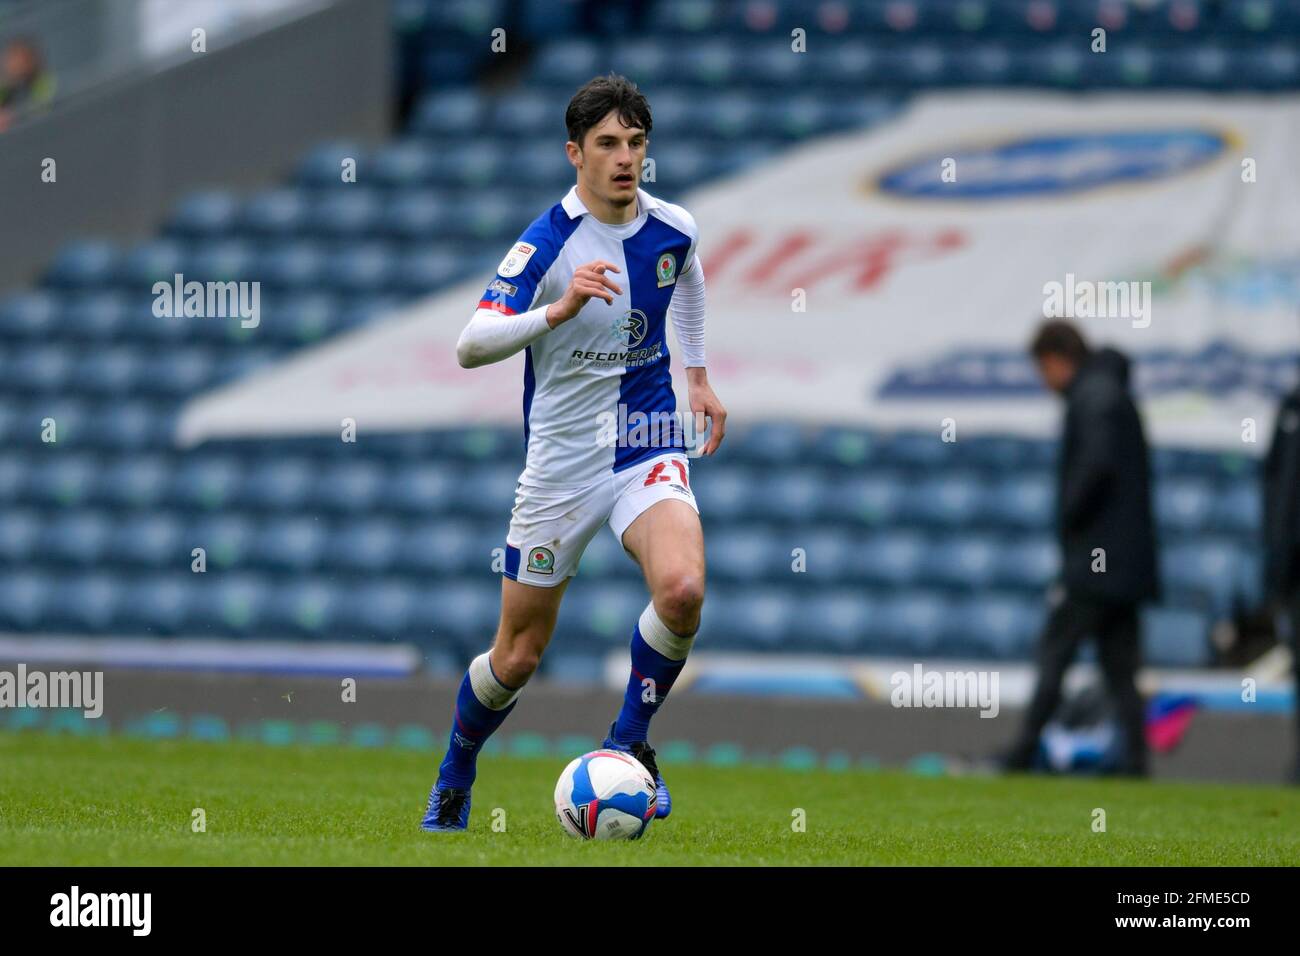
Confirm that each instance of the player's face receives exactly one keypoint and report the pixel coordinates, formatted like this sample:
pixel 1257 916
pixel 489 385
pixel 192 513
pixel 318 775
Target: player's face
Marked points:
pixel 610 160
pixel 1057 371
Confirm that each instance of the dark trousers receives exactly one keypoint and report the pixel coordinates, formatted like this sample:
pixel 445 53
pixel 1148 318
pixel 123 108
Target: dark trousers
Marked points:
pixel 1293 612
pixel 1115 629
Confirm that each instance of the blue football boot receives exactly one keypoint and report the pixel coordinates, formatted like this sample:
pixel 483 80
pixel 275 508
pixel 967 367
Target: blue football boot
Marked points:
pixel 448 810
pixel 644 753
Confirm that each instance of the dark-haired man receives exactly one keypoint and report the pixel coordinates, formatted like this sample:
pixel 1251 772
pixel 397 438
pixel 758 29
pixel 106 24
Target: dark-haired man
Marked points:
pixel 585 295
pixel 1107 537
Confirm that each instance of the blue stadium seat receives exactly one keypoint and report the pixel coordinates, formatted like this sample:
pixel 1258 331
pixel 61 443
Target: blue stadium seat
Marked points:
pixel 847 447
pixel 84 602
pixel 291 543
pixel 892 558
pixel 1028 563
pixel 204 215
pixel 457 111
pixel 83 264
pixel 347 214
pixel 150 539
pixel 108 372
pixel 207 482
pixel 422 489
pixel 1026 500
pixel 226 539
pixel 1183 504
pixel 20 533
pixel 275 214
pixel 450 546
pixel 953 499
pixel 29 314
pixel 368 545
pixel 744 618
pixel 295 264
pixel 362 268
pixel 77 537
pixel 1238 509
pixel 323 165
pixel 997 626
pixel 463 610
pixel 567 64
pixel 605 559
pixel 1175 637
pixel 131 425
pixel 134 481
pixel 829 553
pixel 542 166
pixel 302 318
pixel 379 609
pixel 748 553
pixel 424 269
pixel 13 474
pixel 477 162
pixel 24 598
pixel 873 499
pixel 600 617
pixel 155 260
pixel 158 603
pixel 795 495
pixel 1205 571
pixel 40 369
pixel 278 483
pixel 418 214
pixel 176 373
pixel 836 620
pixel 234 604
pixel 913 621
pixel 96 316
pixel 352 487
pixel 59 477
pixel 964 561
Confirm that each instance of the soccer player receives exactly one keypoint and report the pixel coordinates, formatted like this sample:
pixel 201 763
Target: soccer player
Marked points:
pixel 585 294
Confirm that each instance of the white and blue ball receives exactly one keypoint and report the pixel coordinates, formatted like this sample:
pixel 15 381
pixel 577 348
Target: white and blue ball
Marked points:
pixel 605 795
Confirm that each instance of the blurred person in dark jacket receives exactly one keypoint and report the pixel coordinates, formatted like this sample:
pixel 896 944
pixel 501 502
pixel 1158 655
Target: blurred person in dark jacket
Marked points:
pixel 1282 531
pixel 1107 537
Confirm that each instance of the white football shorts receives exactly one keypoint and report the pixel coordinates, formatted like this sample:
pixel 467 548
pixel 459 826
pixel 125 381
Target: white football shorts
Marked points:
pixel 550 529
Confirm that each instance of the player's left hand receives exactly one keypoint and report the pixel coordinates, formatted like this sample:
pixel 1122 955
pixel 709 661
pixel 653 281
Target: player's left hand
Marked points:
pixel 705 406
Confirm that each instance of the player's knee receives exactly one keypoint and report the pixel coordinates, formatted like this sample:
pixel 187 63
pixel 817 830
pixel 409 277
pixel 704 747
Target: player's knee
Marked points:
pixel 515 665
pixel 678 603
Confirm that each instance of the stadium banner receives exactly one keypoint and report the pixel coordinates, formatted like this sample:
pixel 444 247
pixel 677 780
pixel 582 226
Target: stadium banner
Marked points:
pixel 892 278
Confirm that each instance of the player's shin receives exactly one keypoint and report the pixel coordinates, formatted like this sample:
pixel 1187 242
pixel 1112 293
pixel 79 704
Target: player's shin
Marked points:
pixel 658 656
pixel 481 707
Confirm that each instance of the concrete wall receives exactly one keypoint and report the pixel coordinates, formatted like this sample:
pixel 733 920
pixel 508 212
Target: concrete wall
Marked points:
pixel 238 117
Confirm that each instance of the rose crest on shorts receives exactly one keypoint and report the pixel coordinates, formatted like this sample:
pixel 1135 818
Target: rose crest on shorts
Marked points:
pixel 541 560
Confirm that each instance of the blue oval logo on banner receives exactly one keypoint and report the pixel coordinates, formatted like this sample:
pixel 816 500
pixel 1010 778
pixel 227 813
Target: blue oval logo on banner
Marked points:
pixel 1054 164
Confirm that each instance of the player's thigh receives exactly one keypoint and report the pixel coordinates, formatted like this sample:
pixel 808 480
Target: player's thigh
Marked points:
pixel 667 541
pixel 528 614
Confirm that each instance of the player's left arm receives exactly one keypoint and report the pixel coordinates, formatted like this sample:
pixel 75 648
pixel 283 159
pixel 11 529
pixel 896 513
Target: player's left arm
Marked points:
pixel 687 310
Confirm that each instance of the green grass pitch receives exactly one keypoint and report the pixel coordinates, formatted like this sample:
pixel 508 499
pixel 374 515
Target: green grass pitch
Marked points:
pixel 120 801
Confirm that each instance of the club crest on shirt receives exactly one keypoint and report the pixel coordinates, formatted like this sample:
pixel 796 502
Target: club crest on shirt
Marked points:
pixel 541 560
pixel 666 269
pixel 515 260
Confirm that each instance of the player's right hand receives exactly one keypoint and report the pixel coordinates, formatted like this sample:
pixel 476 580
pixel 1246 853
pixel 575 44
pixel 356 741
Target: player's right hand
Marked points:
pixel 589 282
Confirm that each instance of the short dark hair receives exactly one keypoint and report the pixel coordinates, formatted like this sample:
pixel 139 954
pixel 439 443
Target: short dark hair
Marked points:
pixel 1057 337
pixel 597 97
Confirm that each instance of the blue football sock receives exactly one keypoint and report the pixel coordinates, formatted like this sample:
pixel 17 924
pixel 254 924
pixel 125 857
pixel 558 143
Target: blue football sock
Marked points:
pixel 482 705
pixel 649 663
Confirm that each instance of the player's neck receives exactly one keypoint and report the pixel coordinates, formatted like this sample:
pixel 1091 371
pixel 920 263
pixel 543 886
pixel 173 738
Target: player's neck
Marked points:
pixel 608 214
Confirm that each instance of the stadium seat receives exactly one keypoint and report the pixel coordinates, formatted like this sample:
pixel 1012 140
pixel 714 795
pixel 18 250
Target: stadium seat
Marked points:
pixel 204 215
pixel 1175 637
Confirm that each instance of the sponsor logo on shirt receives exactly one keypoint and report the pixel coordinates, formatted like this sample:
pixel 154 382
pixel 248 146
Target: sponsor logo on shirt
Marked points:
pixel 515 260
pixel 505 288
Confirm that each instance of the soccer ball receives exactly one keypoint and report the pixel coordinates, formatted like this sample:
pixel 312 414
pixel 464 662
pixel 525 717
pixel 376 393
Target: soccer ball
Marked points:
pixel 605 795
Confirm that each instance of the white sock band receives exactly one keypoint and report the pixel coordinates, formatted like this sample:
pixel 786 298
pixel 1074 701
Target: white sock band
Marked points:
pixel 491 692
pixel 655 633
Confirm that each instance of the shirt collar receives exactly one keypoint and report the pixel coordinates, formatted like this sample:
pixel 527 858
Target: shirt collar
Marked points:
pixel 575 207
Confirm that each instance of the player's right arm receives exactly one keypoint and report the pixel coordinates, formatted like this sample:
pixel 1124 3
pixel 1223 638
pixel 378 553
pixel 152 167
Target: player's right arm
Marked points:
pixel 495 332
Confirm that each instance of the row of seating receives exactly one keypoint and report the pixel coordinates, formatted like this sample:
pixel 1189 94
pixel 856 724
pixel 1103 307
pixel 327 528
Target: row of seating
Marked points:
pixel 374 268
pixel 729 492
pixel 462 612
pixel 1214 570
pixel 468 20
